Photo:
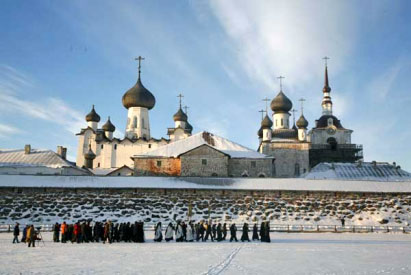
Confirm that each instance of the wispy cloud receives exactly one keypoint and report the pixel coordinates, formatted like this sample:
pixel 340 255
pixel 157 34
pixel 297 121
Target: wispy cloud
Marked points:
pixel 382 84
pixel 7 131
pixel 14 100
pixel 277 37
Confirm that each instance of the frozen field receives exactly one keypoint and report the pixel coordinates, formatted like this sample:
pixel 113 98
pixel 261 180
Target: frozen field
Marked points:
pixel 321 253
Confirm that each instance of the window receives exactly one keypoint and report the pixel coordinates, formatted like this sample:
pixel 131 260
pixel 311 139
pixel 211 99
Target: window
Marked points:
pixel 204 162
pixel 253 164
pixel 282 122
pixel 135 122
pixel 98 164
pixel 102 146
pixel 118 174
pixel 330 121
pixel 276 122
pixel 115 146
pixel 158 163
pixel 149 146
pixel 297 170
pixel 143 124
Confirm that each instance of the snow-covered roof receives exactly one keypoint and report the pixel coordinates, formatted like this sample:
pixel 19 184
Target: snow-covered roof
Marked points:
pixel 182 146
pixel 36 157
pixel 359 171
pixel 108 171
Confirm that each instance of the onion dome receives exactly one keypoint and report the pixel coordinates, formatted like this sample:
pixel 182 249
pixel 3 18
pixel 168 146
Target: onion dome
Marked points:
pixel 325 120
pixel 93 116
pixel 139 96
pixel 281 103
pixel 189 127
pixel 180 115
pixel 266 123
pixel 260 132
pixel 302 123
pixel 90 154
pixel 108 126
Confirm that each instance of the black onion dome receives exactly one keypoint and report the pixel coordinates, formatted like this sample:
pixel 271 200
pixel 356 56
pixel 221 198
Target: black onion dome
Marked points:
pixel 180 116
pixel 266 123
pixel 93 116
pixel 189 127
pixel 139 96
pixel 108 126
pixel 260 132
pixel 323 122
pixel 281 103
pixel 302 122
pixel 89 154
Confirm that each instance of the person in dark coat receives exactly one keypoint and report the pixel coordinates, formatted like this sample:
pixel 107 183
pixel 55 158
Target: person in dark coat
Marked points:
pixel 267 232
pixel 233 232
pixel 107 233
pixel 255 233
pixel 244 236
pixel 24 237
pixel 169 232
pixel 224 231
pixel 262 232
pixel 16 233
pixel 201 230
pixel 214 231
pixel 140 232
pixel 219 233
pixel 342 221
pixel 208 232
pixel 56 233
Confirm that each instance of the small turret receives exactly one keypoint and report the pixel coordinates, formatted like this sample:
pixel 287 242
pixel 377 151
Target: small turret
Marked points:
pixel 109 129
pixel 266 125
pixel 93 119
pixel 89 156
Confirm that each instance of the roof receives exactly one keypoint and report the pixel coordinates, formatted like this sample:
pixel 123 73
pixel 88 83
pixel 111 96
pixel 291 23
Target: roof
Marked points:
pixel 180 115
pixel 37 157
pixel 108 171
pixel 108 126
pixel 93 116
pixel 322 122
pixel 359 171
pixel 139 96
pixel 226 146
pixel 285 134
pixel 281 103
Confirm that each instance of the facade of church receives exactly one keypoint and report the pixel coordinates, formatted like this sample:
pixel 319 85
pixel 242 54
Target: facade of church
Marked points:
pixel 295 149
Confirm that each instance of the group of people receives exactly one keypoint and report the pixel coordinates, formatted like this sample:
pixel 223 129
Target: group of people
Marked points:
pixel 202 231
pixel 29 236
pixel 106 232
pixel 134 232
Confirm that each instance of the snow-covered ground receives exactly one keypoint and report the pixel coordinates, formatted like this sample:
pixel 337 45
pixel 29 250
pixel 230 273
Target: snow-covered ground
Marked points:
pixel 205 183
pixel 302 253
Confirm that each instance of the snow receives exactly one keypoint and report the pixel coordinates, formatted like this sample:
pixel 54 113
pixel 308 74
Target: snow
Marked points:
pixel 291 184
pixel 293 253
pixel 226 146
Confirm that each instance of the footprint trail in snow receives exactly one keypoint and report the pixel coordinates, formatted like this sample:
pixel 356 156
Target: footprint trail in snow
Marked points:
pixel 219 268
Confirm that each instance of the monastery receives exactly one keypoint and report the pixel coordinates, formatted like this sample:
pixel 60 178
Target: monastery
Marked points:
pixel 285 149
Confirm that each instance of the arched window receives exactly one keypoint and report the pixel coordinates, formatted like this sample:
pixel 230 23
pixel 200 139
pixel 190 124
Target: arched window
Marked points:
pixel 330 121
pixel 135 122
pixel 297 170
pixel 282 122
pixel 143 124
pixel 333 143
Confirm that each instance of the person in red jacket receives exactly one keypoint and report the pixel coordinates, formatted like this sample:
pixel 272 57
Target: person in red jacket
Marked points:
pixel 63 229
pixel 76 232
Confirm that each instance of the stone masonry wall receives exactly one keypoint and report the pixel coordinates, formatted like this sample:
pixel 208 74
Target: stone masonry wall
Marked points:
pixel 239 166
pixel 191 163
pixel 150 167
pixel 40 205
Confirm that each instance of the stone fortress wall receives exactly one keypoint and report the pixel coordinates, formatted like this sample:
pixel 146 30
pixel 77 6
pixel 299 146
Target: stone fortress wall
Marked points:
pixel 48 205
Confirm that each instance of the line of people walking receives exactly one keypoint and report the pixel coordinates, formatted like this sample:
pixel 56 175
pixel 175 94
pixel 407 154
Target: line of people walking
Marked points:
pixel 202 231
pixel 85 231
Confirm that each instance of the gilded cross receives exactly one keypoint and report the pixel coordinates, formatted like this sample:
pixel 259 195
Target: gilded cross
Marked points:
pixel 302 104
pixel 281 82
pixel 293 111
pixel 180 96
pixel 139 63
pixel 266 103
pixel 262 114
pixel 325 59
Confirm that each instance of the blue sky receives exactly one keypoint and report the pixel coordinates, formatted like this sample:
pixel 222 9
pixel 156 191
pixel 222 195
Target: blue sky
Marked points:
pixel 57 58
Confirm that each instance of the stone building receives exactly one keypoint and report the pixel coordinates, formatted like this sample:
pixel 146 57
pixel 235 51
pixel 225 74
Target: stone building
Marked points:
pixel 295 149
pixel 204 155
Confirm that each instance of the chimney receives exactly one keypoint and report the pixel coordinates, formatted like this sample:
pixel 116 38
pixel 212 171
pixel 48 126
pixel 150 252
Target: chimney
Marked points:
pixel 27 149
pixel 62 152
pixel 374 163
